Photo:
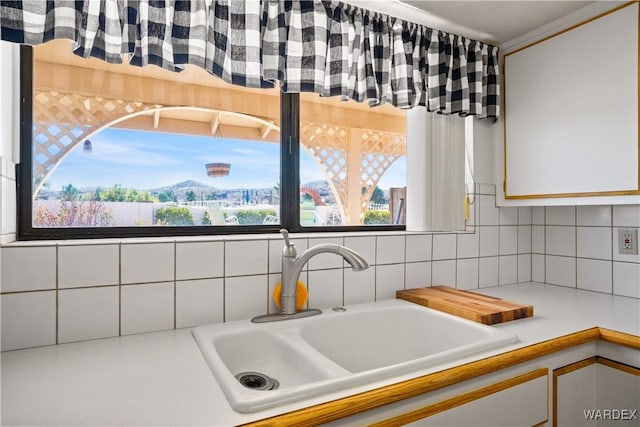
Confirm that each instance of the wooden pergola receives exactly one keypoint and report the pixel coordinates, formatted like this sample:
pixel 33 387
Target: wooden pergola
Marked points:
pixel 75 98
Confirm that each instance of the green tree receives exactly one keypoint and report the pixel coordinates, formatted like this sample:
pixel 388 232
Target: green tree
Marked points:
pixel 378 196
pixel 69 193
pixel 174 215
pixel 114 194
pixel 206 220
pixel 167 196
pixel 190 196
pixel 377 217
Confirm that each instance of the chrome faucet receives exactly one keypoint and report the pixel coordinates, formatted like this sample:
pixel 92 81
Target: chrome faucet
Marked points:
pixel 292 267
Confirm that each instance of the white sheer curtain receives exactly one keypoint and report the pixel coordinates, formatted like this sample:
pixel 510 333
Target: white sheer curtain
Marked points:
pixel 435 171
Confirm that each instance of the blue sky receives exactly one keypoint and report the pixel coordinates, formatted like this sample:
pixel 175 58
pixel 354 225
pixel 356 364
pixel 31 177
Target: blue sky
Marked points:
pixel 144 160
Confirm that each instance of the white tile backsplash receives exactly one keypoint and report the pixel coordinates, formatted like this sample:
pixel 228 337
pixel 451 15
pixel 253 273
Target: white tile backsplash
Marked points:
pixel 537 215
pixel 524 268
pixel 90 313
pixel 246 257
pixel 275 252
pixel 325 288
pixel 487 271
pixel 560 270
pixel 327 260
pixel 390 249
pixel 538 268
pixel 524 215
pixel 147 308
pixel 199 260
pixel 594 242
pixel 508 216
pixel 594 215
pixel 560 215
pixel 389 279
pixel 467 273
pixel 626 279
pixel 28 268
pixel 561 240
pixel 443 273
pixel 417 275
pixel 626 216
pixel 365 246
pixel 245 297
pixel 28 319
pixel 489 241
pixel 418 247
pixel 489 213
pixel 524 239
pixel 617 256
pixel 94 265
pixel 537 239
pixel 469 245
pixel 147 262
pixel 444 246
pixel 359 286
pixel 594 275
pixel 199 302
pixel 508 270
pixel 508 240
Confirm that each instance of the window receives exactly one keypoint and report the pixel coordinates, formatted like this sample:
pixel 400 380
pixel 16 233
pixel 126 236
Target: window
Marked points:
pixel 117 150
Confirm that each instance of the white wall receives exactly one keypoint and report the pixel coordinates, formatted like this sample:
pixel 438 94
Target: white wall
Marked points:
pixel 9 87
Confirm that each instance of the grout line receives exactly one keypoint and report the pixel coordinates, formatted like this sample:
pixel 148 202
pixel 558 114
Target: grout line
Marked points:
pixel 120 289
pixel 57 295
pixel 224 280
pixel 175 287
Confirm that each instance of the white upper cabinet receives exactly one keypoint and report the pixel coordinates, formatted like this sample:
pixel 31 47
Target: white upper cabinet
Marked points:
pixel 571 111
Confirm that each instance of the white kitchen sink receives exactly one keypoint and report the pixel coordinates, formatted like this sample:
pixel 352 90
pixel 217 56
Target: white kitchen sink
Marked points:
pixel 337 349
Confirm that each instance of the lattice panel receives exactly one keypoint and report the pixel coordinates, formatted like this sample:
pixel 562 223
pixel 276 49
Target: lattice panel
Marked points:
pixel 328 145
pixel 379 151
pixel 63 120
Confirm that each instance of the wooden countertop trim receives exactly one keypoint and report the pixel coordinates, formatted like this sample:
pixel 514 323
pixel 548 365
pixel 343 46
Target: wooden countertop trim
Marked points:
pixel 371 399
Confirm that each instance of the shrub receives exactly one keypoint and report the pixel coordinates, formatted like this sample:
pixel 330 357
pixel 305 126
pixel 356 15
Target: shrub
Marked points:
pixel 174 215
pixel 252 217
pixel 377 217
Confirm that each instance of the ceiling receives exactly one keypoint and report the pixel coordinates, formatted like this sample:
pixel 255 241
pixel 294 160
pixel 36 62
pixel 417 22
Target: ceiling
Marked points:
pixel 498 21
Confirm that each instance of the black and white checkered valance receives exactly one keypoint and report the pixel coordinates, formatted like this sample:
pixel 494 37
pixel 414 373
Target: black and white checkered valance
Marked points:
pixel 327 47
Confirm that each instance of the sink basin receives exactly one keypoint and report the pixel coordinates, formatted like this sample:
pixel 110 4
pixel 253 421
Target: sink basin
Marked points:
pixel 337 349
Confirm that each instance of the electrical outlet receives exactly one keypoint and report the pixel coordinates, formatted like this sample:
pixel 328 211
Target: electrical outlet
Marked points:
pixel 628 241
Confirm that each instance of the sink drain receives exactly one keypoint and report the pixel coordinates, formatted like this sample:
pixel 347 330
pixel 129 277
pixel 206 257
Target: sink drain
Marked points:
pixel 257 381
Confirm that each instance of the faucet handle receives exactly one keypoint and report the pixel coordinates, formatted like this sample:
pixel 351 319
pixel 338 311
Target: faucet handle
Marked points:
pixel 285 235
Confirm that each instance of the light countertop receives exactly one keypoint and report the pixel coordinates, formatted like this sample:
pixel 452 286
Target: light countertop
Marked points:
pixel 162 379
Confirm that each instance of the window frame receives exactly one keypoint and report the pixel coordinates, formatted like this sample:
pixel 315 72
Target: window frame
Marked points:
pixel 289 183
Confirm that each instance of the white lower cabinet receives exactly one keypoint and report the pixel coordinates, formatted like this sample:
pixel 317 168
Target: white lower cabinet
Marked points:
pixel 596 392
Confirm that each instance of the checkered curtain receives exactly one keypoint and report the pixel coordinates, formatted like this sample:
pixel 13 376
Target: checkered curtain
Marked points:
pixel 326 47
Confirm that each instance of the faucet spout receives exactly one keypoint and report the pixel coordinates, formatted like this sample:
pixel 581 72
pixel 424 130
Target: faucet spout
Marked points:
pixel 292 265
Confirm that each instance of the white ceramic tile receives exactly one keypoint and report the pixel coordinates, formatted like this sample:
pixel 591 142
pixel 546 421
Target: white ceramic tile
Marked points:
pixel 142 263
pixel 92 265
pixel 199 260
pixel 560 270
pixel 443 273
pixel 28 268
pixel 325 261
pixel 325 288
pixel 560 215
pixel 365 246
pixel 594 242
pixel 560 240
pixel 469 244
pixel 8 202
pixel 537 268
pixel 275 252
pixel 594 215
pixel 537 215
pixel 473 212
pixel 537 239
pixel 488 272
pixel 594 275
pixel 508 216
pixel 417 275
pixel 626 216
pixel 508 270
pixel 524 268
pixel 467 275
pixel 246 257
pixel 488 241
pixel 245 297
pixel 487 189
pixel 389 279
pixel 444 246
pixel 524 215
pixel 524 239
pixel 617 256
pixel 146 308
pixel 359 286
pixel 419 247
pixel 85 314
pixel 508 240
pixel 390 249
pixel 28 319
pixel 489 213
pixel 626 279
pixel 199 302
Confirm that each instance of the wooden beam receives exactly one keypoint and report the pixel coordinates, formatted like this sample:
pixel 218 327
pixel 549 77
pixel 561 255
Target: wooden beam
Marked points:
pixel 156 119
pixel 265 131
pixel 215 123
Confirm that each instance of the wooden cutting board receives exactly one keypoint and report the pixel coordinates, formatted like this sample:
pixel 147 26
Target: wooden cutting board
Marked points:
pixel 469 305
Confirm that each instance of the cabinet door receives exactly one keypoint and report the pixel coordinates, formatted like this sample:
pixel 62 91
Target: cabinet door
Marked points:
pixel 596 391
